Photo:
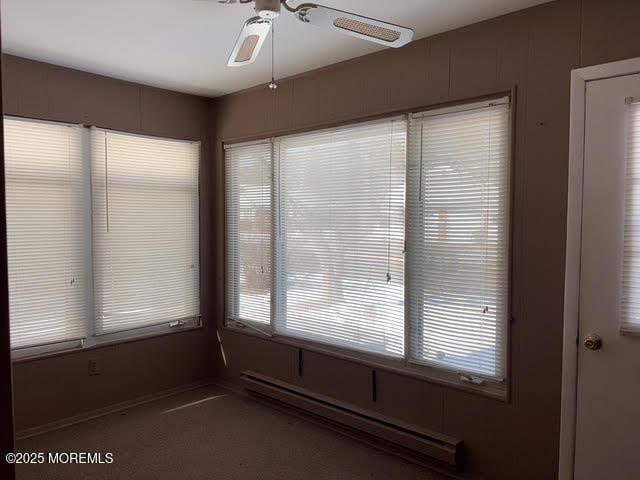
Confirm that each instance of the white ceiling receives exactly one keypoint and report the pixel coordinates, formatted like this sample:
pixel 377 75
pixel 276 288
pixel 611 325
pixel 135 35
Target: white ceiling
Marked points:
pixel 183 45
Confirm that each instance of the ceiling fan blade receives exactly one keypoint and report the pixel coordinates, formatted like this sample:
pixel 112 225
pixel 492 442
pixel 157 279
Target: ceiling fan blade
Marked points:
pixel 247 47
pixel 355 25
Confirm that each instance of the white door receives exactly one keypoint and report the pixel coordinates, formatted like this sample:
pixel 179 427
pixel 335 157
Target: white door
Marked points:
pixel 608 389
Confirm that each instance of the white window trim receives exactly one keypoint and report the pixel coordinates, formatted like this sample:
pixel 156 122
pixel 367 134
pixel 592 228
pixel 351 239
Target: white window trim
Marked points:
pixel 93 339
pixel 465 107
pixel 473 382
pixel 579 79
pixel 464 376
pixel 149 331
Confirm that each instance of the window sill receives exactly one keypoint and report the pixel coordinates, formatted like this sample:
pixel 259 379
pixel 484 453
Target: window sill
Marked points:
pixel 33 353
pixel 490 388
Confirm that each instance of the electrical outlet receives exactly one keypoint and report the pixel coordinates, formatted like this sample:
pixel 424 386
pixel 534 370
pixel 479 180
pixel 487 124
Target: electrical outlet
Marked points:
pixel 94 368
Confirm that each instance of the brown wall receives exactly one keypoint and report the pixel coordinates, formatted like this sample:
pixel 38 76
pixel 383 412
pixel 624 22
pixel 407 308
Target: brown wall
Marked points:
pixel 534 51
pixel 7 470
pixel 50 389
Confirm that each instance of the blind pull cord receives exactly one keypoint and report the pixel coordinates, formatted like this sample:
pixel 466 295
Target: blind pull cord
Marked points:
pixel 485 201
pixel 389 206
pixel 264 208
pixel 69 214
pixel 421 158
pixel 106 180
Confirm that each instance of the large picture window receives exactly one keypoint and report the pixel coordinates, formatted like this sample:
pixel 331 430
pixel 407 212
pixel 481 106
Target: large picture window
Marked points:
pixel 389 237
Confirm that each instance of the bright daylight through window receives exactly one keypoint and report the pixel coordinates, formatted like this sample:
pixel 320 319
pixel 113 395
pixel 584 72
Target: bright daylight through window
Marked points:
pixel 321 227
pixel 629 308
pixel 102 231
pixel 458 237
pixel 45 234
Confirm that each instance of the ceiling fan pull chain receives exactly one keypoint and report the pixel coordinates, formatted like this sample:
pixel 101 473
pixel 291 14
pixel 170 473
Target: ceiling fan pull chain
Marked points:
pixel 273 84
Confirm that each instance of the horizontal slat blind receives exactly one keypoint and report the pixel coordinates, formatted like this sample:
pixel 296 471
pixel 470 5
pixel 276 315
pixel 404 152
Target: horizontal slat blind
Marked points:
pixel 45 243
pixel 248 171
pixel 145 230
pixel 459 238
pixel 630 297
pixel 341 236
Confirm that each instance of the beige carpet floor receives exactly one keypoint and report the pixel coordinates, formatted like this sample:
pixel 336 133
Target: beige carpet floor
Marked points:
pixel 214 434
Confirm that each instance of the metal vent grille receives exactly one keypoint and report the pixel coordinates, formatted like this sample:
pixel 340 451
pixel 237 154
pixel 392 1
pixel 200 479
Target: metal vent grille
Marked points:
pixel 246 50
pixel 367 29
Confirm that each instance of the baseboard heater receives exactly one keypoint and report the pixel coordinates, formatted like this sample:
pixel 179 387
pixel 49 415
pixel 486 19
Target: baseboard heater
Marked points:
pixel 404 439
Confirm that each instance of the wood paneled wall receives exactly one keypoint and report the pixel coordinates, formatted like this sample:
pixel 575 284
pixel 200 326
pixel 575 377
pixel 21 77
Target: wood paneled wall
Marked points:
pixel 532 51
pixel 50 389
pixel 7 470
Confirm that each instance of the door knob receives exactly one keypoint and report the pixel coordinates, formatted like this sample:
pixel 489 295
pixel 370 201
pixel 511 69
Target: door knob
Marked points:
pixel 593 342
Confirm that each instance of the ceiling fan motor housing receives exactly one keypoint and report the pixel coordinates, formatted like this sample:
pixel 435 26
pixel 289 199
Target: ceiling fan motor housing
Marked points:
pixel 268 9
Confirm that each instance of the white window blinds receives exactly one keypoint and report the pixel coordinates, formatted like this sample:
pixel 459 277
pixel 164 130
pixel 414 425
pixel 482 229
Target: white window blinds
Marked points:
pixel 248 170
pixel 145 230
pixel 629 302
pixel 45 236
pixel 340 265
pixel 458 241
pixel 317 237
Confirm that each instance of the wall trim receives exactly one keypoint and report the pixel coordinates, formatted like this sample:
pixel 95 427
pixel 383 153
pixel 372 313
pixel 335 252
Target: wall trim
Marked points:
pixel 101 412
pixel 426 373
pixel 568 409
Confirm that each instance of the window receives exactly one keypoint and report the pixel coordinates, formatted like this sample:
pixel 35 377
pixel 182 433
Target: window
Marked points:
pixel 45 232
pixel 248 225
pixel 389 237
pixel 459 237
pixel 99 221
pixel 145 230
pixel 629 308
pixel 341 236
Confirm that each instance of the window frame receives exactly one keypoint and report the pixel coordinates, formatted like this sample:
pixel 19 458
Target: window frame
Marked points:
pixel 498 389
pixel 234 316
pixel 97 337
pixel 93 339
pixel 391 121
pixel 505 344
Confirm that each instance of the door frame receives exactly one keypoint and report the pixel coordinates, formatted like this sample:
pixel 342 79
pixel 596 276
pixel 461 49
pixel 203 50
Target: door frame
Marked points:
pixel 568 409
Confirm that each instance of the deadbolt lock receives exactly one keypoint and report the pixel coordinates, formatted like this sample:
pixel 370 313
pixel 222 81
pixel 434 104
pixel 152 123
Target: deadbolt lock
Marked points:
pixel 593 342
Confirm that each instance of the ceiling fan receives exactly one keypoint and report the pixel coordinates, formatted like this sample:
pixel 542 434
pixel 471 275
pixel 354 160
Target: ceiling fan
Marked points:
pixel 256 29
